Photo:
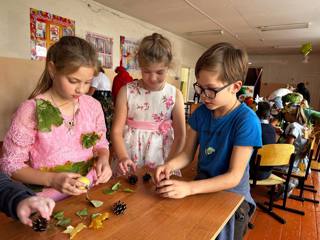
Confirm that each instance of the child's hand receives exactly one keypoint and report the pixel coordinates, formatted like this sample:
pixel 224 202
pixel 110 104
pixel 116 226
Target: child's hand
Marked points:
pixel 103 170
pixel 174 189
pixel 34 204
pixel 67 183
pixel 125 165
pixel 163 172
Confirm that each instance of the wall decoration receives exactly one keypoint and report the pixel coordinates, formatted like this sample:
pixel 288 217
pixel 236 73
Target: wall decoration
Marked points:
pixel 128 51
pixel 246 91
pixel 103 46
pixel 45 30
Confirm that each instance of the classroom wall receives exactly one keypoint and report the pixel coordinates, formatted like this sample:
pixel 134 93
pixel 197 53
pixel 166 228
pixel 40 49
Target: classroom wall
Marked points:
pixel 279 70
pixel 18 74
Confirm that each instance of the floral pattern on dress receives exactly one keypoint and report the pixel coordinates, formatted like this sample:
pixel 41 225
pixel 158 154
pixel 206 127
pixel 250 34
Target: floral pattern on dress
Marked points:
pixel 149 147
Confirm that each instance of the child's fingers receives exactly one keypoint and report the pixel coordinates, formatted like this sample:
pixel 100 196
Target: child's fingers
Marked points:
pixel 163 190
pixel 164 183
pixel 167 173
pixel 122 169
pixel 24 216
pixel 98 169
pixel 159 175
pixel 51 205
pixel 74 175
pixel 169 194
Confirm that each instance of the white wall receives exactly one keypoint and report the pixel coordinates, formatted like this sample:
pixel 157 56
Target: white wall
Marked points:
pixel 15 28
pixel 291 69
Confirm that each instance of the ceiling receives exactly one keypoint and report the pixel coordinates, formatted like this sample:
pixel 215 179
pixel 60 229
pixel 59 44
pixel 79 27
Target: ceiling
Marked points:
pixel 238 19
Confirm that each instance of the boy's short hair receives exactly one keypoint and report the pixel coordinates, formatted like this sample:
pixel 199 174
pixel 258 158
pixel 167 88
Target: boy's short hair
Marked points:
pixel 223 58
pixel 264 110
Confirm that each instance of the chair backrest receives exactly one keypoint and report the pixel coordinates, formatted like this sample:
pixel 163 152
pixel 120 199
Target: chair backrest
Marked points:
pixel 276 154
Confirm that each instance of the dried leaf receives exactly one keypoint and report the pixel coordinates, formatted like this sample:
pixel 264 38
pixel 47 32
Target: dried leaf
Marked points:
pixel 116 186
pixel 96 203
pixel 108 191
pixel 77 229
pixel 68 230
pixel 64 222
pixel 96 223
pixel 58 215
pixel 82 213
pixel 128 190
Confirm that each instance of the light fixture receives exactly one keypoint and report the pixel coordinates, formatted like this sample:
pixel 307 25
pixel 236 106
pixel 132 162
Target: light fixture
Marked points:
pixel 284 27
pixel 205 33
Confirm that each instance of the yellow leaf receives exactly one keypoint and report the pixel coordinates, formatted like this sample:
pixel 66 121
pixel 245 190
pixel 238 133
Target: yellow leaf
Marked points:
pixel 96 223
pixel 77 229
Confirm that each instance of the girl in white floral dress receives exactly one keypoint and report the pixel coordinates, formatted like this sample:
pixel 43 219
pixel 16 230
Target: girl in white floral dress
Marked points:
pixel 148 126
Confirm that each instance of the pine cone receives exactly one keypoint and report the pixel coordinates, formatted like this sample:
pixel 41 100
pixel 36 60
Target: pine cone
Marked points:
pixel 119 208
pixel 146 177
pixel 40 224
pixel 133 179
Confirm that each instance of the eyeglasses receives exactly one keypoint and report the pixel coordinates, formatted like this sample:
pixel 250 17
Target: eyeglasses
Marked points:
pixel 208 92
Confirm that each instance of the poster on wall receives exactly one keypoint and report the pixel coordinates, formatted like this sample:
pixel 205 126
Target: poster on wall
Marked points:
pixel 103 46
pixel 128 50
pixel 246 91
pixel 45 30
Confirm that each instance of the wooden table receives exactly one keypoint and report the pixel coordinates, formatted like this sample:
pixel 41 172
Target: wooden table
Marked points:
pixel 148 216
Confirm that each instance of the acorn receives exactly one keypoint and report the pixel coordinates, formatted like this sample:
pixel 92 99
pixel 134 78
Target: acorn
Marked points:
pixel 133 179
pixel 146 177
pixel 119 208
pixel 40 224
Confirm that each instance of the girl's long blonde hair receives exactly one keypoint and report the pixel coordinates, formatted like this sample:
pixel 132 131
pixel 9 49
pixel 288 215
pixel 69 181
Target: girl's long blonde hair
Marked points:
pixel 67 55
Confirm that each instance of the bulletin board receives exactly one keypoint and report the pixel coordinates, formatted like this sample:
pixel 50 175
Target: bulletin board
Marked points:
pixel 103 46
pixel 128 51
pixel 45 30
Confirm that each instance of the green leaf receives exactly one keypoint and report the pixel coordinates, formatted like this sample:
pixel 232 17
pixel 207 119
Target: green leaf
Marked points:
pixel 108 191
pixel 83 212
pixel 90 139
pixel 116 186
pixel 209 150
pixel 128 190
pixel 58 215
pixel 82 167
pixel 94 215
pixel 64 222
pixel 96 203
pixel 47 115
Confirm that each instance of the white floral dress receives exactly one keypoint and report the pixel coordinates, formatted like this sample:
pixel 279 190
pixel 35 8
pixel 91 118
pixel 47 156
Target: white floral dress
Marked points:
pixel 148 134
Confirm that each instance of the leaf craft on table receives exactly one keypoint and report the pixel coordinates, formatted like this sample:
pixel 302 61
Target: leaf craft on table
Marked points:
pixel 94 215
pixel 90 139
pixel 82 213
pixel 47 115
pixel 96 223
pixel 108 191
pixel 68 230
pixel 116 186
pixel 73 231
pixel 58 215
pixel 96 203
pixel 63 222
pixel 128 190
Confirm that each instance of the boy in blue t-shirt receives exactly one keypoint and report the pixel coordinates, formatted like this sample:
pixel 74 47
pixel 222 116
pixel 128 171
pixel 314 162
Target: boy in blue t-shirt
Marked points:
pixel 226 131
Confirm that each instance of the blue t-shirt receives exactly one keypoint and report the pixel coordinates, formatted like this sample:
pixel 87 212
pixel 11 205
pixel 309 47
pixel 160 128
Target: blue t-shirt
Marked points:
pixel 218 136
